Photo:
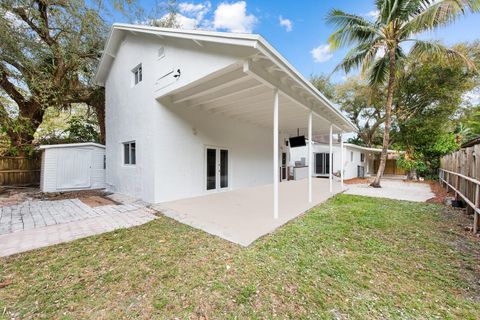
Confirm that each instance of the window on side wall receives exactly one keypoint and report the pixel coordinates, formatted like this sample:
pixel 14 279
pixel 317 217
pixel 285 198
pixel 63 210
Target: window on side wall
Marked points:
pixel 137 74
pixel 351 156
pixel 129 153
pixel 362 157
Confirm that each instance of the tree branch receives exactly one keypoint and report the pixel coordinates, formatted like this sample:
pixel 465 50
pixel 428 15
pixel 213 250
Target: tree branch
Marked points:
pixel 9 88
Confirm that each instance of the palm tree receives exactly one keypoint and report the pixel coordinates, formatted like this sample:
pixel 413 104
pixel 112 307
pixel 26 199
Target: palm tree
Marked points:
pixel 378 44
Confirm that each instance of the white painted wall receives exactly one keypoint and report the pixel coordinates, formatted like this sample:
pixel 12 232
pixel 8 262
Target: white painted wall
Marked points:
pixel 60 160
pixel 350 167
pixel 171 140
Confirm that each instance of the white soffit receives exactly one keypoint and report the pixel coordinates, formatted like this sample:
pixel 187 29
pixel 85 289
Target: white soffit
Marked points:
pixel 253 77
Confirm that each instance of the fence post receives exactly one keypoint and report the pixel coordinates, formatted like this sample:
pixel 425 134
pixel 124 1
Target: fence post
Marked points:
pixel 469 173
pixel 475 213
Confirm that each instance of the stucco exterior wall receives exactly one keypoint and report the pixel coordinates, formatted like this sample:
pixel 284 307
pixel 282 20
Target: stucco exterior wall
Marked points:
pixel 350 167
pixel 171 139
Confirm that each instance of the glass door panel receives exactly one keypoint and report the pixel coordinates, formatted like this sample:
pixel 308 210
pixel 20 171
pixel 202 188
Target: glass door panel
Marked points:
pixel 223 168
pixel 211 169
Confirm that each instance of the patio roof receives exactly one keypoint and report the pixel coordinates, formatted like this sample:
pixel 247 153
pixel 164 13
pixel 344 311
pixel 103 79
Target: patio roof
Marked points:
pixel 243 90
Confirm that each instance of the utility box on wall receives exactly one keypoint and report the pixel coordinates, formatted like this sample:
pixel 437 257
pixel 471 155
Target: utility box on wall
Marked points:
pixel 75 166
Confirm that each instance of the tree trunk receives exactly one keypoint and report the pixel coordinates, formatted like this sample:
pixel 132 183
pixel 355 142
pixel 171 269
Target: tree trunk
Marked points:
pixel 388 120
pixel 21 134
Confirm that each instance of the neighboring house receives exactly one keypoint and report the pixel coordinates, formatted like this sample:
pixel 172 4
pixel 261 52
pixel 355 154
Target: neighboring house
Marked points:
pixel 192 112
pixel 358 161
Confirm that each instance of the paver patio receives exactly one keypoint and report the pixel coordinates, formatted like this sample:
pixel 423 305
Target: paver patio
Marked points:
pixel 34 224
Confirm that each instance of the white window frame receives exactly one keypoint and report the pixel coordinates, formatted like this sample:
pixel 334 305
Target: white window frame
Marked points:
pixel 362 157
pixel 137 75
pixel 217 161
pixel 129 144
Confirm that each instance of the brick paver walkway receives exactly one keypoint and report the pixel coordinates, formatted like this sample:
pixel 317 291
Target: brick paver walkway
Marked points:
pixel 35 224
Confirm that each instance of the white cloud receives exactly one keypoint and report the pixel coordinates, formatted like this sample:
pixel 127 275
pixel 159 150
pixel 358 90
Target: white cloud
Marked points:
pixel 191 10
pixel 186 22
pixel 287 23
pixel 372 14
pixel 233 17
pixel 322 53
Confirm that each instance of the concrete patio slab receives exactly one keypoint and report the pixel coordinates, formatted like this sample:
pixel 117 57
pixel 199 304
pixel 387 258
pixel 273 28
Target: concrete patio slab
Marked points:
pixel 394 189
pixel 244 215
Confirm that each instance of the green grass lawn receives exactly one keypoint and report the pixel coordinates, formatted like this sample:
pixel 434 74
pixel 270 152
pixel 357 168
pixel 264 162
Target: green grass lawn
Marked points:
pixel 352 257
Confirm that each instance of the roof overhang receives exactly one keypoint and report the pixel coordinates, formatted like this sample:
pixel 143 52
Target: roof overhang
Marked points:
pixel 245 89
pixel 71 145
pixel 374 150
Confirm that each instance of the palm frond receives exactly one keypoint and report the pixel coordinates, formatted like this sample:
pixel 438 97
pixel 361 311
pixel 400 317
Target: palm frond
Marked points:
pixel 424 49
pixel 351 29
pixel 433 14
pixel 378 73
pixel 362 55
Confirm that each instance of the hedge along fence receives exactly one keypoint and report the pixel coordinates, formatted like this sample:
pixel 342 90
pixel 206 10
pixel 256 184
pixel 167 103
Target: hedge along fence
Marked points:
pixel 20 171
pixel 460 173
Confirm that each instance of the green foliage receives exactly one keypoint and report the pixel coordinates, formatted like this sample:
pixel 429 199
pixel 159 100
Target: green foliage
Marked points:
pixel 429 95
pixel 377 46
pixel 471 124
pixel 410 164
pixel 324 85
pixel 364 107
pixel 63 127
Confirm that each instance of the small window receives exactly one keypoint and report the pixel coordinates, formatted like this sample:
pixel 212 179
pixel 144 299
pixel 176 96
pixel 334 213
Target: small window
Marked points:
pixel 351 156
pixel 104 162
pixel 362 157
pixel 129 153
pixel 137 74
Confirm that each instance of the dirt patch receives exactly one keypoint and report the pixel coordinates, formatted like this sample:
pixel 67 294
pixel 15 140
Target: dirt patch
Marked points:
pixel 70 194
pixel 11 196
pixel 93 198
pixel 358 181
pixel 96 201
pixel 439 191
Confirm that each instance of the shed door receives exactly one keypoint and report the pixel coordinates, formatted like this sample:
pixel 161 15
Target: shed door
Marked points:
pixel 73 168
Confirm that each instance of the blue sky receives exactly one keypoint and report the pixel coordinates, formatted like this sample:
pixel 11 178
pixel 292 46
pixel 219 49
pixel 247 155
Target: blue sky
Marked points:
pixel 295 28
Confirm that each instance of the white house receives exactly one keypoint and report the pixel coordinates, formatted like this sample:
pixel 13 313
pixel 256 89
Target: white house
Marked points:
pixel 358 161
pixel 193 112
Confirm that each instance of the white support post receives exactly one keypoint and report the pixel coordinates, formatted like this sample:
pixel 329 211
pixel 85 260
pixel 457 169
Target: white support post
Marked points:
pixel 310 156
pixel 342 160
pixel 275 154
pixel 330 156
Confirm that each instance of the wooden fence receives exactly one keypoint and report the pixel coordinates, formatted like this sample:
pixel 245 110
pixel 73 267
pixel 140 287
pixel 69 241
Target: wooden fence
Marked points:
pixel 19 171
pixel 460 173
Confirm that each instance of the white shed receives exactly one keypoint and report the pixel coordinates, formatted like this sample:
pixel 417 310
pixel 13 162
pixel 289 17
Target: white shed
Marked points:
pixel 75 166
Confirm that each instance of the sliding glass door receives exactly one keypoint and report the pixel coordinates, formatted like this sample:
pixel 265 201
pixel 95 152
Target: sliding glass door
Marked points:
pixel 322 163
pixel 217 168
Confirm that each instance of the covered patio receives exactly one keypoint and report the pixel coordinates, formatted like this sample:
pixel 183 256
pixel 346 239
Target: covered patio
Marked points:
pixel 244 215
pixel 267 92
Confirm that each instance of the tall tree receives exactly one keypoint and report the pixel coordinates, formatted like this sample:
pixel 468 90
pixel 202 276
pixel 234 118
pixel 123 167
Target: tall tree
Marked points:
pixel 364 107
pixel 324 85
pixel 48 54
pixel 377 44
